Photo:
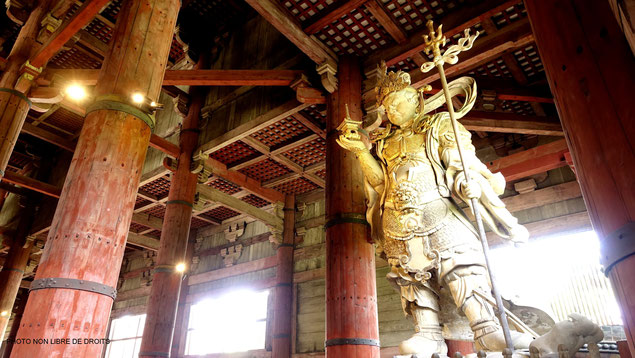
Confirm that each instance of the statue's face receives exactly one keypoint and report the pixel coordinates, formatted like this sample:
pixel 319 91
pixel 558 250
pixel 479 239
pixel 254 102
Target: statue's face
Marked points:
pixel 401 106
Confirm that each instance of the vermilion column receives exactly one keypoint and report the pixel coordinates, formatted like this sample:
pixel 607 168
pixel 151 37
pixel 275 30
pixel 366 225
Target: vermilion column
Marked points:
pixel 166 281
pixel 71 294
pixel 13 268
pixel 14 104
pixel 351 295
pixel 591 72
pixel 283 292
pixel 17 318
pixel 182 313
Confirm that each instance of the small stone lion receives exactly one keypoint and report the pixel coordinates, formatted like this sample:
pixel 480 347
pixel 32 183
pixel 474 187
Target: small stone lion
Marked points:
pixel 572 334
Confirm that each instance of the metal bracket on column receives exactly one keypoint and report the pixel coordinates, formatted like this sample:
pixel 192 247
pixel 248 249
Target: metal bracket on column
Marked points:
pixel 618 246
pixel 351 341
pixel 16 93
pixel 116 103
pixel 341 218
pixel 74 284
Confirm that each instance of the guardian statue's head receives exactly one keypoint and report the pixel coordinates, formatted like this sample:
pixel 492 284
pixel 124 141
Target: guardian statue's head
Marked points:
pixel 402 102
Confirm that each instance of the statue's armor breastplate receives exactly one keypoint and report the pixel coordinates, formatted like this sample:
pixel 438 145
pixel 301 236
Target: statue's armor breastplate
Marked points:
pixel 413 206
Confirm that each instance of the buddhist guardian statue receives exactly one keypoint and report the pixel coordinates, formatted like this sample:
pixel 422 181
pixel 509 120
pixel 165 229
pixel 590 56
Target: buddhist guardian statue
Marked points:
pixel 412 176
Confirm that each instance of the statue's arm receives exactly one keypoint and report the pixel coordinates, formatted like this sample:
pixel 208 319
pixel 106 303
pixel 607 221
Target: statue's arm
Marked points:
pixel 370 166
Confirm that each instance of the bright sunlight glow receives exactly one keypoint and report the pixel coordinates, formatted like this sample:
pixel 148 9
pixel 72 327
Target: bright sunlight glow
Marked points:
pixel 234 322
pixel 550 270
pixel 76 92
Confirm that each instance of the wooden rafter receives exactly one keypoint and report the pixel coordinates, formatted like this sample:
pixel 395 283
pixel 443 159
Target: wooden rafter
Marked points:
pixel 511 123
pixel 251 185
pixel 343 9
pixel 288 26
pixel 386 21
pixel 453 24
pixel 68 29
pixel 532 161
pixel 32 184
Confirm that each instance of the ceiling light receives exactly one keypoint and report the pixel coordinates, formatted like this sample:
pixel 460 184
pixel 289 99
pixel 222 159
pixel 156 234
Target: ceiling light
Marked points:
pixel 138 98
pixel 76 92
pixel 180 267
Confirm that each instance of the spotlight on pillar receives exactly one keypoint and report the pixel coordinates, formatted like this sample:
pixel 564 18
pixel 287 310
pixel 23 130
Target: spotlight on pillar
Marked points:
pixel 180 267
pixel 145 104
pixel 76 92
pixel 4 313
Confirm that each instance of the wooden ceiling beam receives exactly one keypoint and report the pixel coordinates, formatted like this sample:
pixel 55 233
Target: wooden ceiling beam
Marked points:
pixel 511 123
pixel 68 29
pixel 386 21
pixel 32 184
pixel 289 26
pixel 453 24
pixel 490 47
pixel 49 137
pixel 314 127
pixel 532 161
pixel 343 9
pixel 192 77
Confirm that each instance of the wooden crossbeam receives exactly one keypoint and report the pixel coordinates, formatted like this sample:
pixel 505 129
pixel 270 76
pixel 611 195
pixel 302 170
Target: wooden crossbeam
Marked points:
pixel 32 184
pixel 511 123
pixel 216 195
pixel 49 137
pixel 262 121
pixel 289 27
pixel 453 23
pixel 490 47
pixel 251 185
pixel 68 29
pixel 532 161
pixel 145 242
pixel 386 21
pixel 193 77
pixel 343 9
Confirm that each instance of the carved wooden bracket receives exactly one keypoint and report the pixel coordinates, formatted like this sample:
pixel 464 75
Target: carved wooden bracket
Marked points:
pixel 231 234
pixel 305 93
pixel 276 231
pixel 203 171
pixel 327 72
pixel 49 24
pixel 18 10
pixel 181 104
pixel 231 254
pixel 170 164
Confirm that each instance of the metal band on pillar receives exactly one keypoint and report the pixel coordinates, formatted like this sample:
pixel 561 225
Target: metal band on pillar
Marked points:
pixel 154 354
pixel 182 202
pixel 74 284
pixel 351 341
pixel 116 103
pixel 16 93
pixel 618 246
pixel 346 218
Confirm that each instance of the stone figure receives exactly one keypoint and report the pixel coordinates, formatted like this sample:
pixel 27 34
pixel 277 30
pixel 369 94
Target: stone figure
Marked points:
pixel 572 334
pixel 412 170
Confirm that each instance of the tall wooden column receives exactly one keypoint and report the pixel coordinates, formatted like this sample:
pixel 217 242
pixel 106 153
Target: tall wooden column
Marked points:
pixel 73 290
pixel 351 294
pixel 182 311
pixel 17 318
pixel 166 280
pixel 591 72
pixel 14 104
pixel 15 264
pixel 283 292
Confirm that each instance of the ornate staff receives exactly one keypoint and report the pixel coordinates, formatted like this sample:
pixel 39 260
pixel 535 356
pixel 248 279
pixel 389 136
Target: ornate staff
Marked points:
pixel 434 41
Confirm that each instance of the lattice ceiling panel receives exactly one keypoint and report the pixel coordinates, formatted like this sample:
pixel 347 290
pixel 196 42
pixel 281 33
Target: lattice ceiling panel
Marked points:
pixel 284 130
pixel 156 234
pixel 234 153
pixel 198 223
pixel 321 173
pixel 317 112
pixel 141 202
pixel 493 69
pixel 224 186
pixel 255 200
pixel 19 160
pixel 305 10
pixel 529 60
pixel 156 211
pixel 134 227
pixel 159 187
pixel 510 15
pixel 406 65
pixel 112 10
pixel 100 30
pixel 308 153
pixel 355 33
pixel 296 186
pixel 220 213
pixel 66 120
pixel 517 107
pixel 265 170
pixel 412 15
pixel 74 58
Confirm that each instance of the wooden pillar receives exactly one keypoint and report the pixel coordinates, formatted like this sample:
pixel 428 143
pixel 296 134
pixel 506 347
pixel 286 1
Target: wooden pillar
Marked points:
pixel 351 294
pixel 17 318
pixel 182 314
pixel 283 292
pixel 71 296
pixel 591 72
pixel 166 280
pixel 463 347
pixel 14 104
pixel 15 264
